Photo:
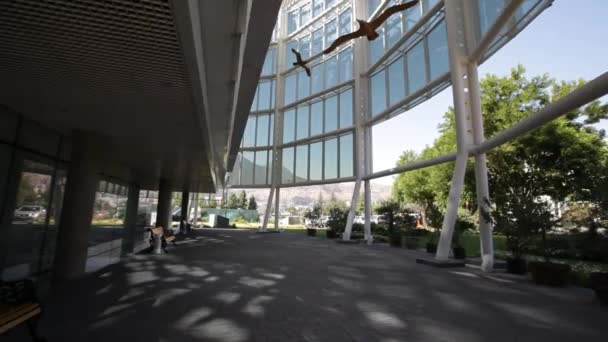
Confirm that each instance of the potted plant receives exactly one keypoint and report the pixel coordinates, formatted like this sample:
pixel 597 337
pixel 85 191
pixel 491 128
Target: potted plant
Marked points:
pixel 336 221
pixel 390 209
pixel 435 216
pixel 464 223
pixel 313 219
pixel 599 283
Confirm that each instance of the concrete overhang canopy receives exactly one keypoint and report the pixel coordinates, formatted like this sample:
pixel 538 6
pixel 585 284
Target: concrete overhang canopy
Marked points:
pixel 155 78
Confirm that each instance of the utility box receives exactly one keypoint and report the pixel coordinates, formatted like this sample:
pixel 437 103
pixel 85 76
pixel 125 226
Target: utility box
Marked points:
pixel 218 221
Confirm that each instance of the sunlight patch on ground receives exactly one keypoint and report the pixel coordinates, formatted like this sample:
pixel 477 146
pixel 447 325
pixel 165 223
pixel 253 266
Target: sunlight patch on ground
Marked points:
pixel 256 282
pixel 379 317
pixel 227 297
pixel 255 306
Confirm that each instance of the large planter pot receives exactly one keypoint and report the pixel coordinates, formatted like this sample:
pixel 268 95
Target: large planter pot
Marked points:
pixel 331 234
pixel 396 240
pixel 311 232
pixel 599 283
pixel 517 266
pixel 549 273
pixel 459 253
pixel 411 242
pixel 431 247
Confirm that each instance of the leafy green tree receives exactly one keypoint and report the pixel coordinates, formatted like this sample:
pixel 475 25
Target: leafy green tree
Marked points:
pixel 233 202
pixel 242 200
pixel 314 215
pixel 212 202
pixel 564 159
pixel 253 205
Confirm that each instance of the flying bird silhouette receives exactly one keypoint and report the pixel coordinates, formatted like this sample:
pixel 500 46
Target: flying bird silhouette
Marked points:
pixel 300 62
pixel 369 29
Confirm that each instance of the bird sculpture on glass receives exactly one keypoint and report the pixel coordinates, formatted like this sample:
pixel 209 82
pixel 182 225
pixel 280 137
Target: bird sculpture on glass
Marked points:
pixel 300 62
pixel 368 29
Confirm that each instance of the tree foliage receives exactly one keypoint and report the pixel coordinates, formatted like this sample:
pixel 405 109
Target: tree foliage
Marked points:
pixel 564 160
pixel 253 204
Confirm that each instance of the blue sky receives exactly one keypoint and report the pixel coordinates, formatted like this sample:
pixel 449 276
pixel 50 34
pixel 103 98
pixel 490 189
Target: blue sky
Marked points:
pixel 568 41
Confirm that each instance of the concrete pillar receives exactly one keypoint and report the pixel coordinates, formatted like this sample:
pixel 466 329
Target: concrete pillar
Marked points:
pixel 77 212
pixel 163 210
pixel 184 212
pixel 130 235
pixel 369 238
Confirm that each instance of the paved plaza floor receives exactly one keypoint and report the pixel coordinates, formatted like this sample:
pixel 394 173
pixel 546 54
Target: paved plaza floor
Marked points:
pixel 230 285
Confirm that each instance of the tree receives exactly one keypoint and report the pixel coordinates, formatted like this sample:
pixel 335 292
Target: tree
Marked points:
pixel 253 205
pixel 563 160
pixel 233 202
pixel 242 204
pixel 212 202
pixel 314 215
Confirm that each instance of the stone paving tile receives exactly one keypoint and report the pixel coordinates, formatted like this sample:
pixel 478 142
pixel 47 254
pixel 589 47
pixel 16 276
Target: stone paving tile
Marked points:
pixel 229 285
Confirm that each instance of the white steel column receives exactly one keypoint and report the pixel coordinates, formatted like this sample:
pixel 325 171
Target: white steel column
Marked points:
pixel 369 238
pixel 360 93
pixel 481 173
pixel 268 210
pixel 454 17
pixel 277 215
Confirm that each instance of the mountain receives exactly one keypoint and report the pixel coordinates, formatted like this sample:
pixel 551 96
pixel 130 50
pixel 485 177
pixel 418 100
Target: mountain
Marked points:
pixel 305 196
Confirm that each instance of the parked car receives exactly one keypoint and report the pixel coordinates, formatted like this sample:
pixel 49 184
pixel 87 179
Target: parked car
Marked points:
pixel 29 212
pixel 359 219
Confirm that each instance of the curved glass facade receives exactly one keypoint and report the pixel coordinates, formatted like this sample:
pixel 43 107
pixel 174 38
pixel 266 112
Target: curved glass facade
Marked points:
pixel 313 130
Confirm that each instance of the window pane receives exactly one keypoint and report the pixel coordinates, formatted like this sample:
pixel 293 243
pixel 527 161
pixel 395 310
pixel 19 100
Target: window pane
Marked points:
pixel 304 47
pixel 303 84
pixel 372 5
pixel 289 121
pixel 316 118
pixel 249 135
pixel 331 72
pixel 378 90
pixel 412 15
pixel 317 7
pixel 268 67
pixel 302 163
pixel 262 136
pixel 261 159
pixel 254 104
pixel 393 30
pixel 291 57
pixel 346 109
pixel 247 168
pixel 330 159
pixel 317 41
pixel 305 15
pixel 287 171
pixel 346 65
pixel 302 125
pixel 264 96
pixel 489 10
pixel 331 31
pixel 345 22
pixel 316 161
pixel 346 156
pixel 428 4
pixel 438 51
pixel 331 114
pixel 396 82
pixel 292 21
pixel 317 78
pixel 290 88
pixel 376 47
pixel 416 68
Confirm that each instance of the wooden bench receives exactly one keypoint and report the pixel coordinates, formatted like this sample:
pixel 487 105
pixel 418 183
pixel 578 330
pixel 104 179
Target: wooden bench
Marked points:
pixel 18 304
pixel 165 238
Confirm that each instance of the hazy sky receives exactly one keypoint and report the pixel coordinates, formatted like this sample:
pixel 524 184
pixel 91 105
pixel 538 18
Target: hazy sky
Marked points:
pixel 568 41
